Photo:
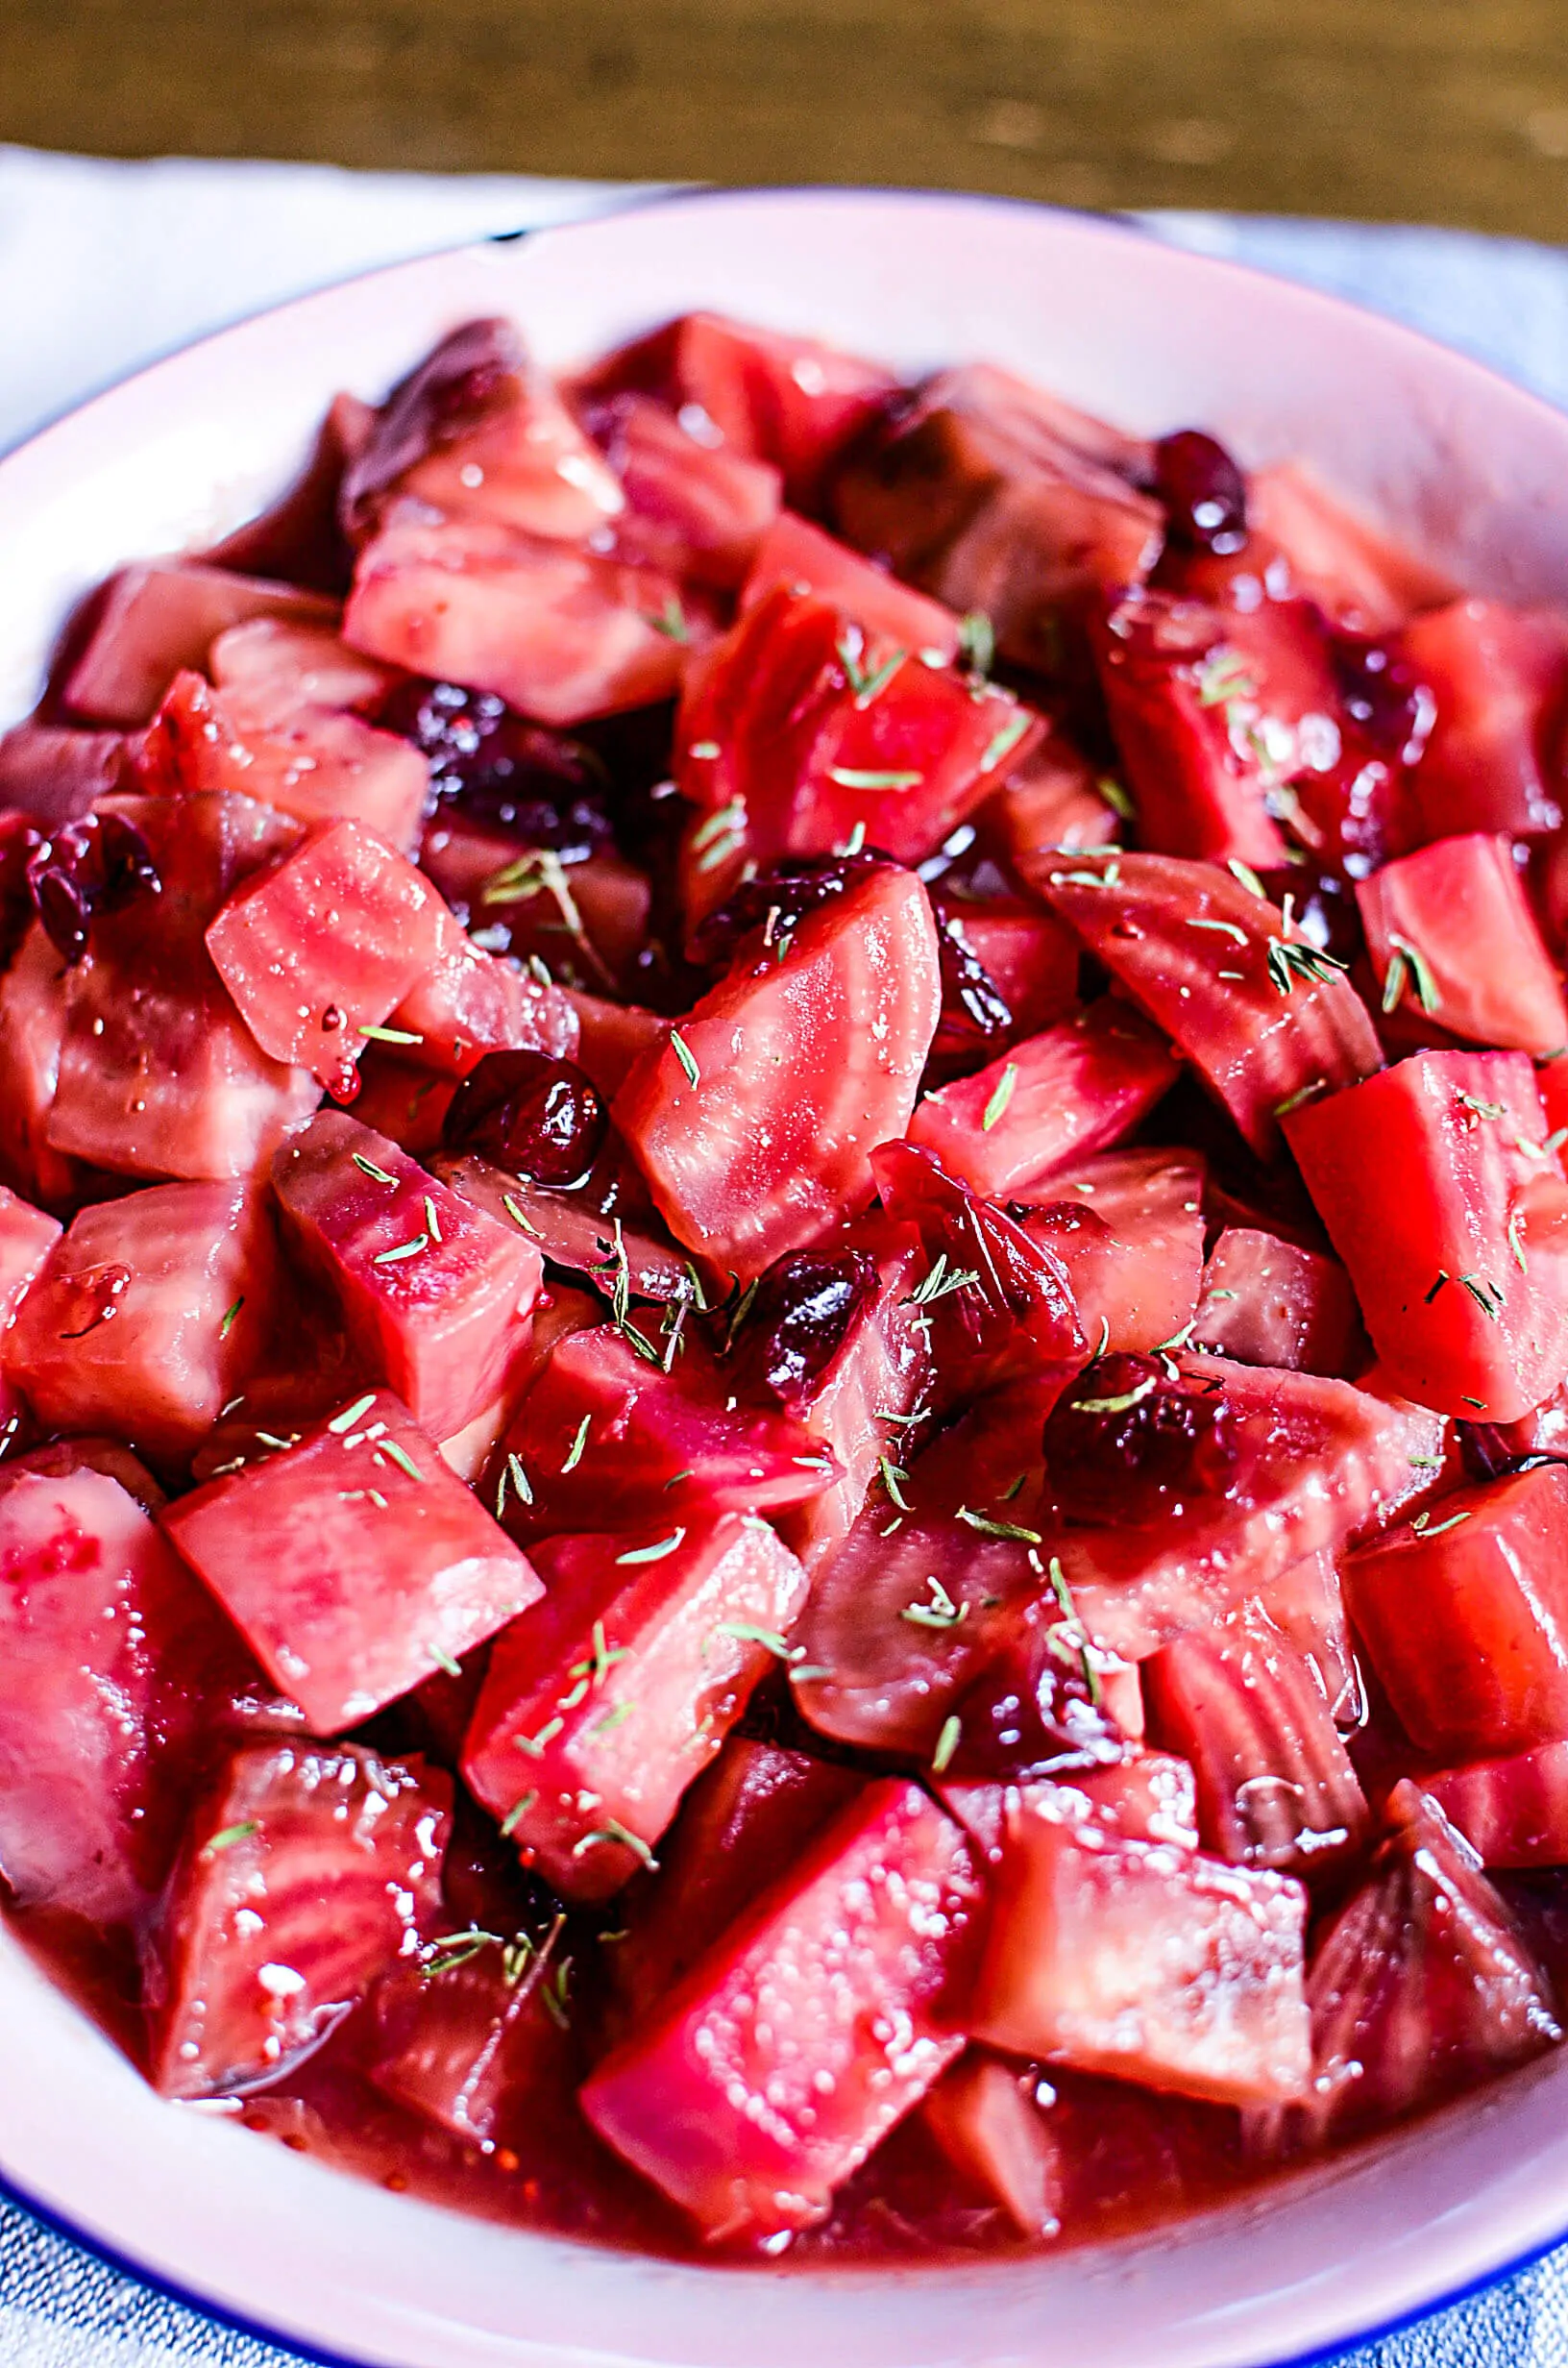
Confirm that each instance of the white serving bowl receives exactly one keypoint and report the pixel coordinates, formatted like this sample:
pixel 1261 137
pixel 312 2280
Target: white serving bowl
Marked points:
pixel 1472 472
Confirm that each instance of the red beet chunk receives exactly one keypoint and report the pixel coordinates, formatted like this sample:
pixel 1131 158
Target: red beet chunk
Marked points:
pixel 587 1230
pixel 607 1440
pixel 150 1315
pixel 32 1034
pixel 1466 1618
pixel 612 1037
pixel 559 632
pixel 54 773
pixel 110 1653
pixel 604 1703
pixel 1512 1812
pixel 305 1873
pixel 1422 1986
pixel 1144 1796
pixel 471 2038
pixel 156 619
pixel 802 733
pixel 1043 1104
pixel 159 1074
pixel 1354 573
pixel 693 506
pixel 1451 932
pixel 790 401
pixel 1261 1015
pixel 983 2115
pixel 437 1296
pixel 354 1563
pixel 1053 800
pixel 754 1811
pixel 1497 676
pixel 271 731
pixel 1267 1301
pixel 802 555
pixel 1029 963
pixel 1157 1964
pixel 805 1062
pixel 1128 1226
pixel 1460 1294
pixel 478 427
pixel 470 1004
pixel 994 496
pixel 27 1236
pixel 807 2031
pixel 325 946
pixel 1275 1783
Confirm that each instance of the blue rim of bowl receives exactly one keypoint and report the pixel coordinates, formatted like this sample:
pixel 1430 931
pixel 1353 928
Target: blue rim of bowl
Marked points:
pixel 1113 225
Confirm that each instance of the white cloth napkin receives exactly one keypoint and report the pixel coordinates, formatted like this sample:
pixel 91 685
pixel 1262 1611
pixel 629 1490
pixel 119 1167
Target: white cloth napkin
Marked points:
pixel 103 267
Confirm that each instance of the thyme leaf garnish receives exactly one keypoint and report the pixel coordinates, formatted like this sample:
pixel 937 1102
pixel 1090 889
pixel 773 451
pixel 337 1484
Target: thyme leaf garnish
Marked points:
pixel 1001 1095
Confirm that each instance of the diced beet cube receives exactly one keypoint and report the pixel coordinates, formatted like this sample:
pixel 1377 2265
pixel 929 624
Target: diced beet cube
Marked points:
pixel 159 1074
pixel 1128 1226
pixel 477 426
pixel 1334 558
pixel 1462 1297
pixel 468 2037
pixel 109 1653
pixel 1276 1786
pixel 55 775
pixel 754 1811
pixel 1466 1617
pixel 325 946
pixel 469 1003
pixel 996 497
pixel 1422 1986
pixel 1306 1602
pixel 1151 1963
pixel 606 1438
pixel 612 1038
pixel 265 737
pixel 438 1296
pixel 796 553
pixel 32 1033
pixel 354 1563
pixel 1512 1812
pixel 1030 962
pixel 163 616
pixel 556 631
pixel 1267 1301
pixel 149 1316
pixel 406 1104
pixel 694 506
pixel 1497 676
pixel 983 2115
pixel 1049 1101
pixel 1144 1796
pixel 1450 929
pixel 790 400
pixel 1262 1016
pixel 306 1872
pixel 604 1703
pixel 302 663
pixel 27 1236
pixel 1054 801
pixel 807 2031
pixel 803 1065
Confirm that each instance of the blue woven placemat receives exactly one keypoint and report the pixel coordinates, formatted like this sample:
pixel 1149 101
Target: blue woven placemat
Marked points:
pixel 111 265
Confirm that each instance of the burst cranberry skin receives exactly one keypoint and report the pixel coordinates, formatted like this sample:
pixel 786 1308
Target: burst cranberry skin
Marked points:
pixel 539 1117
pixel 89 867
pixel 1384 695
pixel 1128 1445
pixel 1204 492
pixel 1029 1715
pixel 803 1311
pixel 499 768
pixel 777 900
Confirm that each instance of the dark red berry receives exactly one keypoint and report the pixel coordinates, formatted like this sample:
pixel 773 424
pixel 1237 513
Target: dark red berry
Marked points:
pixel 802 1315
pixel 772 905
pixel 1032 1712
pixel 64 911
pixel 974 1012
pixel 125 865
pixel 1127 1445
pixel 20 843
pixel 1384 696
pixel 540 1117
pixel 1204 492
pixel 538 786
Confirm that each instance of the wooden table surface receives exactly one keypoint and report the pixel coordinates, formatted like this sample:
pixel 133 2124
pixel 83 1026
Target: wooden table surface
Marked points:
pixel 1445 110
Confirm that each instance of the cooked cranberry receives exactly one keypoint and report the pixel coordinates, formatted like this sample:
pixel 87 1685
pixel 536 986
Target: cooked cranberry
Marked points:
pixel 777 901
pixel 20 843
pixel 1394 709
pixel 973 1010
pixel 1204 492
pixel 1323 907
pixel 539 785
pixel 801 1317
pixel 449 390
pixel 124 863
pixel 1127 1445
pixel 64 911
pixel 1032 1712
pixel 539 1117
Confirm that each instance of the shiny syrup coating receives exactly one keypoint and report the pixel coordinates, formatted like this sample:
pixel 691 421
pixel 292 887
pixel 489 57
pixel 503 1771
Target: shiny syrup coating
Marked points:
pixel 541 1117
pixel 1204 492
pixel 802 1315
pixel 1126 1444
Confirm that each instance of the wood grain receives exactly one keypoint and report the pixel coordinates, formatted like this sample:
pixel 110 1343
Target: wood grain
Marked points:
pixel 1446 111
